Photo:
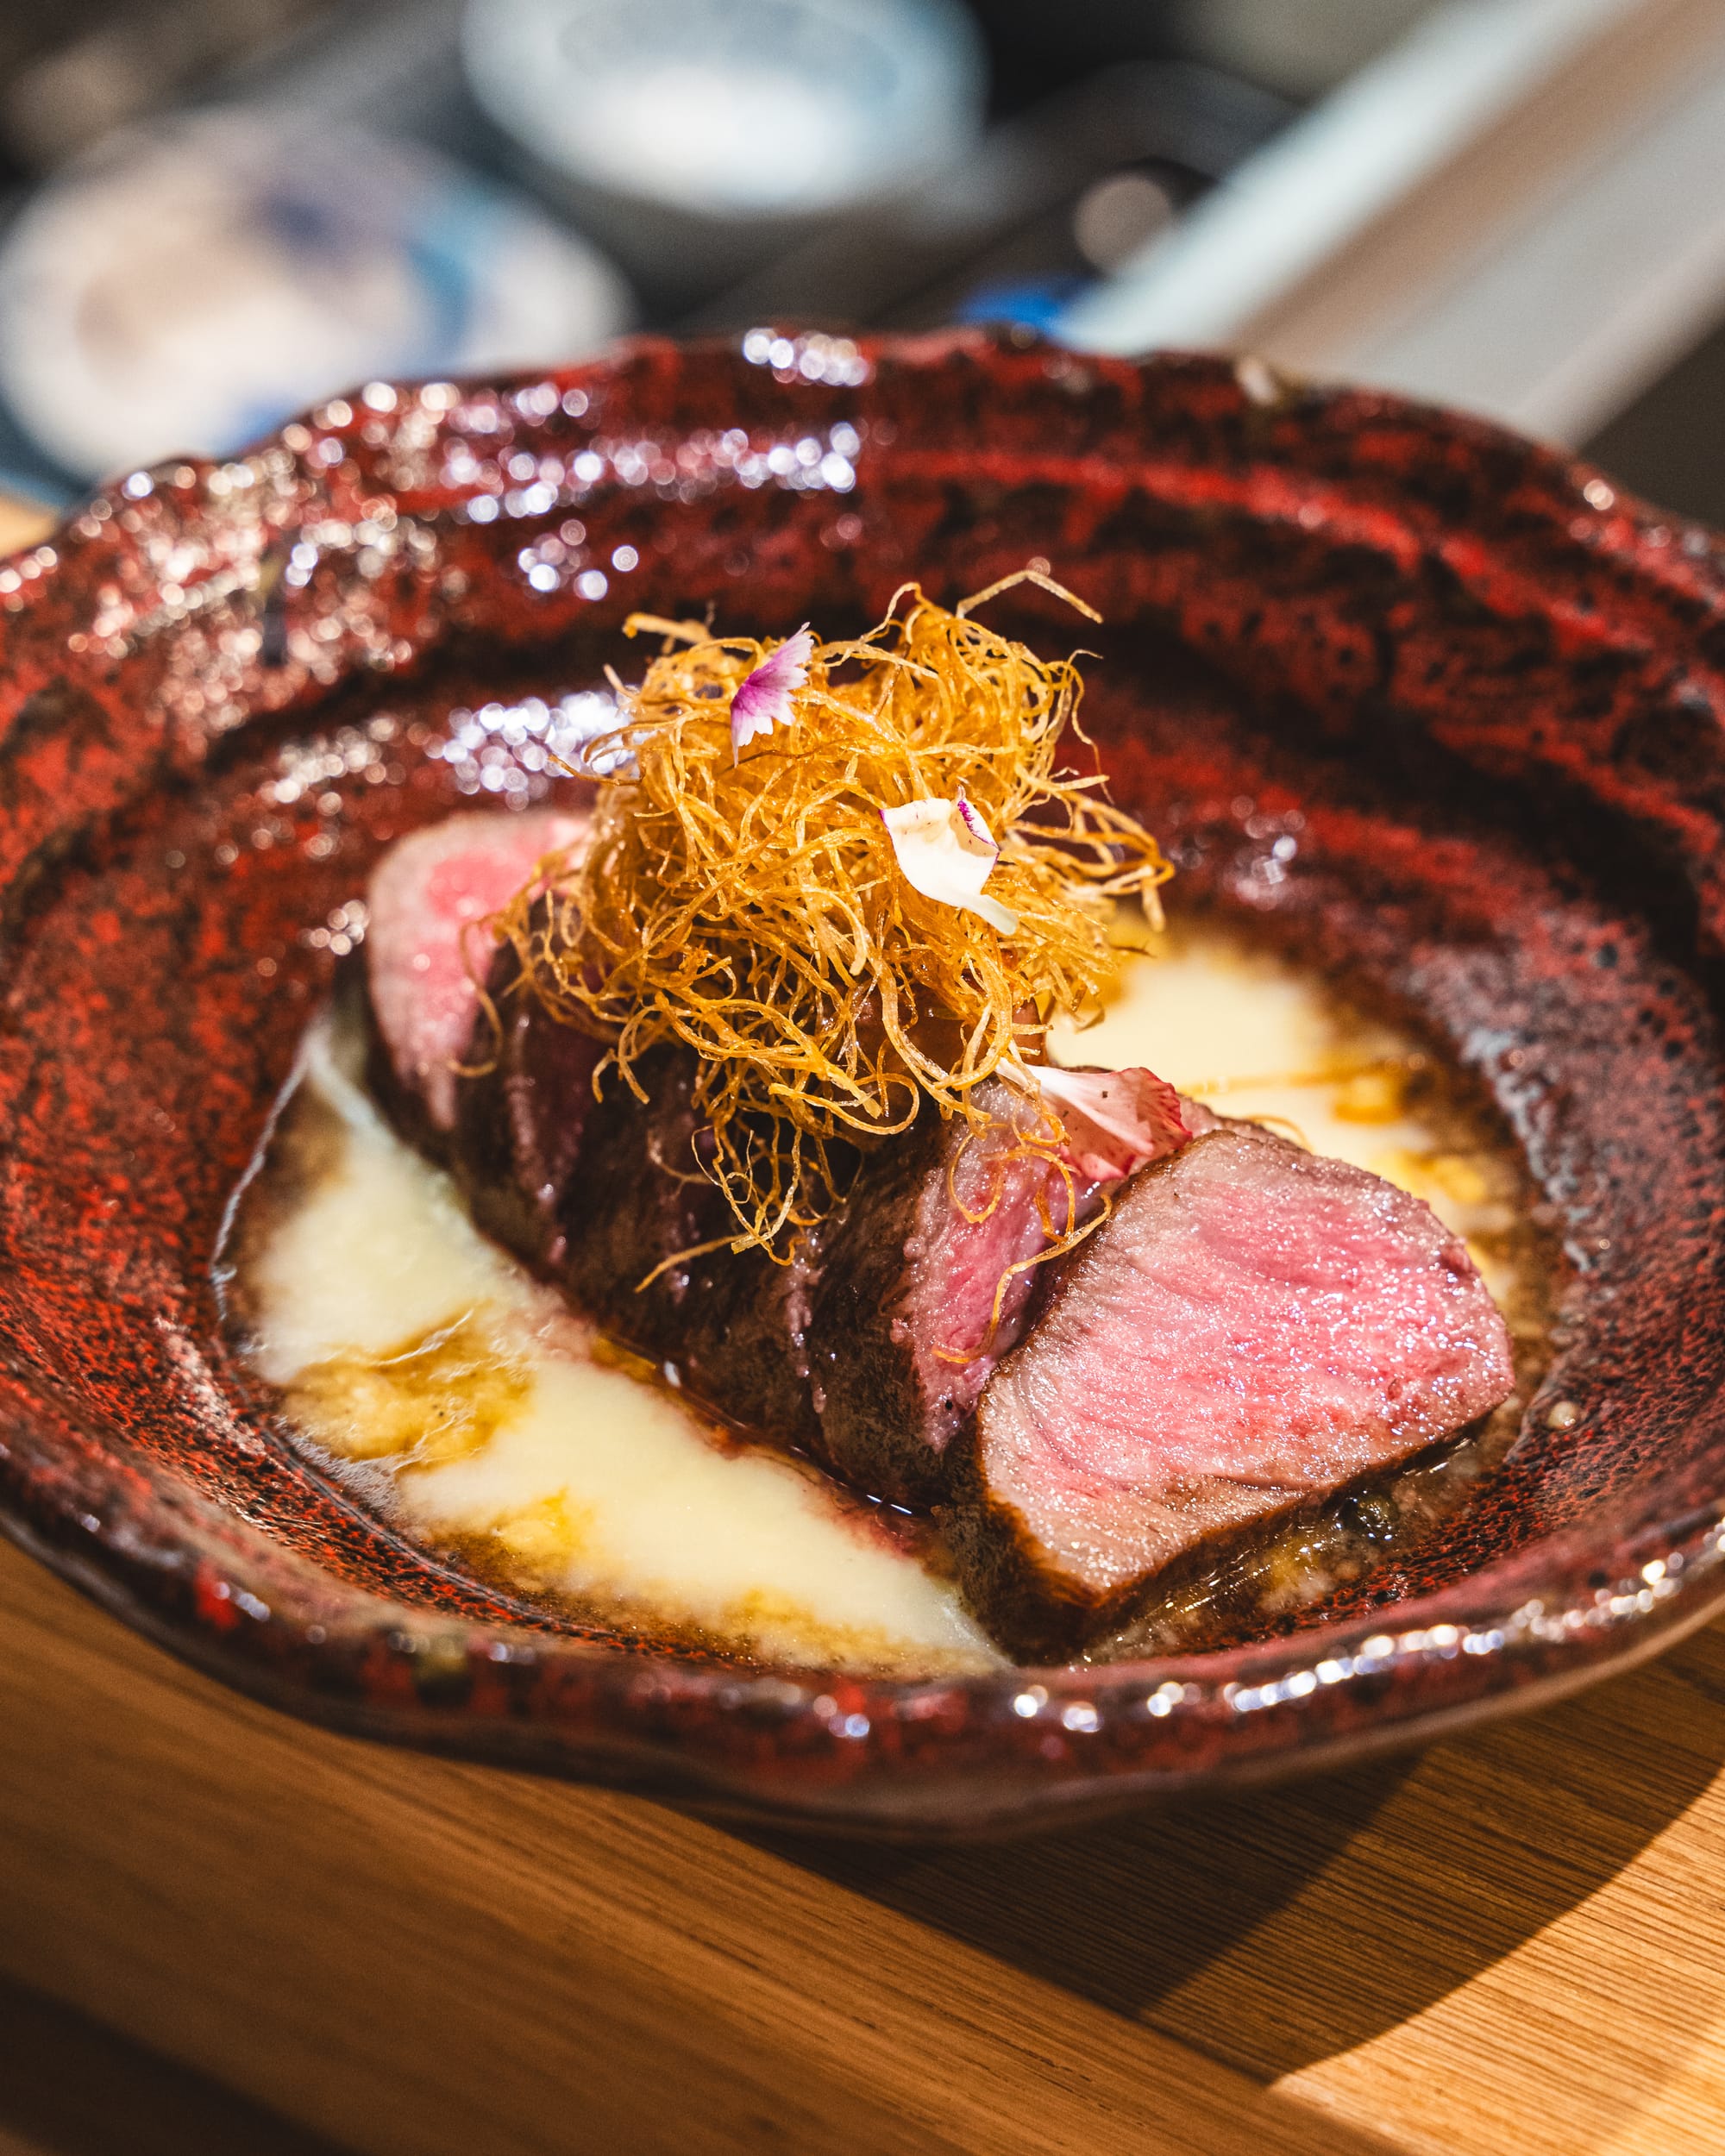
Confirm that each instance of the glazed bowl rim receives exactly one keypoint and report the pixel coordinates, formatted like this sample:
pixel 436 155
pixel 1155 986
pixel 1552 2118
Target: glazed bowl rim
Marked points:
pixel 1541 1620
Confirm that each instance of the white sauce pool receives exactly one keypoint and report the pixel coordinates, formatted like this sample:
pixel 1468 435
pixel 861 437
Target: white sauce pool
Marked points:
pixel 468 1404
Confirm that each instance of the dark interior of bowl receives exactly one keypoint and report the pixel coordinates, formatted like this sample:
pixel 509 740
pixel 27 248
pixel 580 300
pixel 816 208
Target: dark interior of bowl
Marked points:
pixel 1480 693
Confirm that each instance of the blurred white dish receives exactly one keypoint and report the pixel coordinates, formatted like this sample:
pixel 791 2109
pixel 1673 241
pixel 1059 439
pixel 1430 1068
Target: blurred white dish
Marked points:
pixel 194 282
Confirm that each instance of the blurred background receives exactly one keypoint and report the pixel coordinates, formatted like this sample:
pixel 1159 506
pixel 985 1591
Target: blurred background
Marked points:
pixel 214 212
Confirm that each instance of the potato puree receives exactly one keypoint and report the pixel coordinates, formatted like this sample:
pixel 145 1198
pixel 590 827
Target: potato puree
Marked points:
pixel 464 1402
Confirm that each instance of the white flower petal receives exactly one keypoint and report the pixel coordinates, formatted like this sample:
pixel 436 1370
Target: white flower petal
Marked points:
pixel 1115 1121
pixel 944 850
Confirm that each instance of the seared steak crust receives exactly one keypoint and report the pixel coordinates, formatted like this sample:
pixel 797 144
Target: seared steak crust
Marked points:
pixel 726 1325
pixel 522 1107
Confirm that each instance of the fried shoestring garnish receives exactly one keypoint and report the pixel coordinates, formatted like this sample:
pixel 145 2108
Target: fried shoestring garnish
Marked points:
pixel 785 872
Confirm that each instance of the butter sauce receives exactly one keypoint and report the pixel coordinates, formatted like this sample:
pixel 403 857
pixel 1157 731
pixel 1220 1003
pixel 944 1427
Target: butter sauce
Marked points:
pixel 471 1407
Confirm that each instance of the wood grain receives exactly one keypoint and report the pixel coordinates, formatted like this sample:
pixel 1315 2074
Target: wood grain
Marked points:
pixel 1516 1941
pixel 68 2088
pixel 415 1956
pixel 1513 1942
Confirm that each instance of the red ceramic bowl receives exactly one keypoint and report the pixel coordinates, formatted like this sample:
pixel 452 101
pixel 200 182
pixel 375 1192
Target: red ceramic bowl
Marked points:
pixel 1486 692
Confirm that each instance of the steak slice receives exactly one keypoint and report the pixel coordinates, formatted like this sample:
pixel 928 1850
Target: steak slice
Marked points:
pixel 728 1325
pixel 1253 1330
pixel 903 1338
pixel 503 1105
pixel 522 1107
pixel 906 1329
pixel 426 894
pixel 594 1194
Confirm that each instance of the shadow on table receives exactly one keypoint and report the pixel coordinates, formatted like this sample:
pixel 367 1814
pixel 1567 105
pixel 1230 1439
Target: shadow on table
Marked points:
pixel 1275 1929
pixel 69 2087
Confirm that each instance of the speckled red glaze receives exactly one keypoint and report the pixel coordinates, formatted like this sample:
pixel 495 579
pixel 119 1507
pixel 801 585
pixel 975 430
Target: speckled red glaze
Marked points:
pixel 1481 694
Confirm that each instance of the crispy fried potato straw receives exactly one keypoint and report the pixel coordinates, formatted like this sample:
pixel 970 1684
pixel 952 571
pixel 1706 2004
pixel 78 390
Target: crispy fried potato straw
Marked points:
pixel 752 905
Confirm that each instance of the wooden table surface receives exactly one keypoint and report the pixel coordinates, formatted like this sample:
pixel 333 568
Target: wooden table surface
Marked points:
pixel 1515 1942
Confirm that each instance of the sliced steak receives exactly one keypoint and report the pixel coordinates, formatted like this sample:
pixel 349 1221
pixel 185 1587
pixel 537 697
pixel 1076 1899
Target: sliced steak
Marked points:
pixel 730 1324
pixel 903 1335
pixel 1253 1330
pixel 423 963
pixel 501 1104
pixel 594 1194
pixel 522 1107
pixel 906 1329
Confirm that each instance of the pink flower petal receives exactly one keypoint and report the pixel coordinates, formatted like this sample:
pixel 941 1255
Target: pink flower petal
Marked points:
pixel 762 699
pixel 972 820
pixel 944 850
pixel 1115 1121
